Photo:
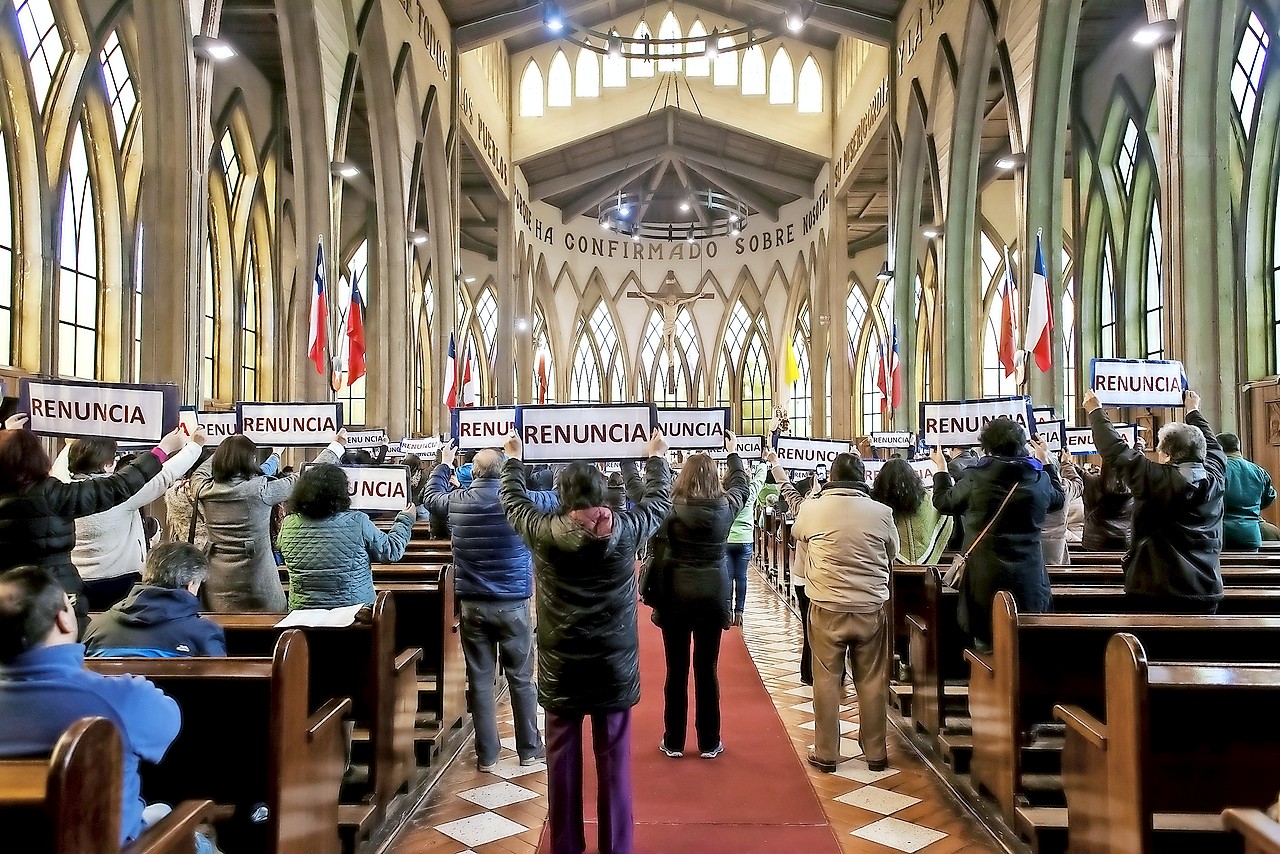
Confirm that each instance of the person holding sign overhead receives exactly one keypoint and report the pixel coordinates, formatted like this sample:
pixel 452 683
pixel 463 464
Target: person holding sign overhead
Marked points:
pixel 1172 562
pixel 923 532
pixel 1002 501
pixel 236 498
pixel 38 512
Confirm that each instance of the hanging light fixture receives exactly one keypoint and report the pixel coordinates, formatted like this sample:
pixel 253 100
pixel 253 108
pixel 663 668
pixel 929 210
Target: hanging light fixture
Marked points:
pixel 713 44
pixel 646 47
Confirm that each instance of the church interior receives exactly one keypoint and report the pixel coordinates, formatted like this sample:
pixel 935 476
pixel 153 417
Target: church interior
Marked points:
pixel 817 216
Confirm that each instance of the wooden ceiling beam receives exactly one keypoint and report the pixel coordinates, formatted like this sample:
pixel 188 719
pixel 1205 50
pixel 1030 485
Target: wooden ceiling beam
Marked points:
pixel 600 192
pixel 591 174
pixel 747 193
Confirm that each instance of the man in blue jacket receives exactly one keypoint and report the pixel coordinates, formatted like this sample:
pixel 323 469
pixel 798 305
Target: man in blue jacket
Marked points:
pixel 44 688
pixel 493 584
pixel 160 618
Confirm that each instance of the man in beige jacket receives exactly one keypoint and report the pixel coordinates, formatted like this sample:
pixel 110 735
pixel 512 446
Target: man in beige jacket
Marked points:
pixel 851 542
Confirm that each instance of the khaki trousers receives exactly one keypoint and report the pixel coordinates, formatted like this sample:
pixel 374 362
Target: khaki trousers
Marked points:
pixel 859 639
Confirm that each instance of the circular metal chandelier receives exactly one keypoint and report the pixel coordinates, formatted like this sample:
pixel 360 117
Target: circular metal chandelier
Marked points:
pixel 726 216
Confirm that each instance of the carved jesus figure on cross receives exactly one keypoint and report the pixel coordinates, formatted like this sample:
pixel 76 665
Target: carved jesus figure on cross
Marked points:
pixel 669 299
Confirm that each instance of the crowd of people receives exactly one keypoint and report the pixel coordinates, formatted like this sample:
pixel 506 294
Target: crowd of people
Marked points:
pixel 546 573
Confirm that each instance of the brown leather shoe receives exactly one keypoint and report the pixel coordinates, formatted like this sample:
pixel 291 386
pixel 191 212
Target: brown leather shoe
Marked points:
pixel 824 765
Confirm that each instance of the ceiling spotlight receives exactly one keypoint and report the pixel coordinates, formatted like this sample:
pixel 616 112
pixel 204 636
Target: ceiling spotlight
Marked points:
pixel 635 235
pixel 419 237
pixel 469 279
pixel 691 235
pixel 552 18
pixel 211 48
pixel 1155 33
pixel 684 206
pixel 344 170
pixel 604 223
pixel 625 210
pixel 931 232
pixel 795 20
pixel 1011 161
pixel 615 44
pixel 885 274
pixel 733 217
pixel 522 324
pixel 713 43
pixel 736 229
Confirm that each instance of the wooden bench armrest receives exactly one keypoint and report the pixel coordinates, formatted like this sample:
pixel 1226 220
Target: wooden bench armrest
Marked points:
pixel 173 834
pixel 330 714
pixel 1083 723
pixel 1258 829
pixel 407 659
pixel 980 659
pixel 914 622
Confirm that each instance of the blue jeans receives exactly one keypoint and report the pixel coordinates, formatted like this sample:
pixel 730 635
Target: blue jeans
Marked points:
pixel 739 559
pixel 152 813
pixel 492 632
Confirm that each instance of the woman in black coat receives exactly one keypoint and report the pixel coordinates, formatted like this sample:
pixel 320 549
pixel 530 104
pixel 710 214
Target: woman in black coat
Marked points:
pixel 690 594
pixel 1010 556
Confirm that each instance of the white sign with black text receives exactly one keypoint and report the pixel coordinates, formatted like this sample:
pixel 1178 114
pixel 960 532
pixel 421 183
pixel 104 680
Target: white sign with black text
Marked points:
pixel 293 425
pixel 1138 382
pixel 217 426
pixel 91 410
pixel 589 432
pixel 892 439
pixel 366 439
pixel 807 454
pixel 749 448
pixel 1079 440
pixel 694 428
pixel 924 469
pixel 476 427
pixel 958 423
pixel 428 446
pixel 378 488
pixel 1054 434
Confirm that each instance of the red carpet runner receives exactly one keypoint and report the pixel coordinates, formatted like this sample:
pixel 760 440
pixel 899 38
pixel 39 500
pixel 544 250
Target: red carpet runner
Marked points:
pixel 754 797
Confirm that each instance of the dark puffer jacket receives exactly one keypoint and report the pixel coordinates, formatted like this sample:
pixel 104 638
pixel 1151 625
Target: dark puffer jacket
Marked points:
pixel 1108 507
pixel 490 559
pixel 1010 556
pixel 1177 516
pixel 588 646
pixel 693 578
pixel 37 525
pixel 155 622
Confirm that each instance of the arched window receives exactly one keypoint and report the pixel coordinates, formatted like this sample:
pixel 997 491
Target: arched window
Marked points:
pixel 697 66
pixel 78 259
pixel 1154 309
pixel 531 90
pixel 7 216
pixel 353 395
pixel 231 170
pixel 724 69
pixel 559 82
pixel 1127 154
pixel 863 334
pixel 642 65
pixel 800 404
pixel 872 397
pixel 744 372
pixel 119 82
pixel 487 320
pixel 250 322
pixel 1246 75
pixel 1275 280
pixel 828 398
pixel 809 94
pixel 209 325
pixel 597 364
pixel 614 71
pixel 669 379
pixel 754 76
pixel 995 381
pixel 670 29
pixel 1070 337
pixel 587 74
pixel 544 365
pixel 1107 305
pixel 782 81
pixel 137 306
pixel 43 43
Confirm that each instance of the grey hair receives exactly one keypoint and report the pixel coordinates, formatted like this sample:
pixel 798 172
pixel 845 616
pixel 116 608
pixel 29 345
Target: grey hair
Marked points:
pixel 175 565
pixel 486 463
pixel 1181 442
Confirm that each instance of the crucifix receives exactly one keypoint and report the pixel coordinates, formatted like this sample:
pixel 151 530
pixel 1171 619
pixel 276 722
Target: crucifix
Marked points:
pixel 669 299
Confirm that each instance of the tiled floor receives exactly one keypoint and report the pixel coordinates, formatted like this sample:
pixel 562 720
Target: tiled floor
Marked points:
pixel 902 809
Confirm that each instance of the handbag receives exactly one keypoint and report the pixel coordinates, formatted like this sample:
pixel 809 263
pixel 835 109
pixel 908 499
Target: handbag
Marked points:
pixel 954 576
pixel 653 571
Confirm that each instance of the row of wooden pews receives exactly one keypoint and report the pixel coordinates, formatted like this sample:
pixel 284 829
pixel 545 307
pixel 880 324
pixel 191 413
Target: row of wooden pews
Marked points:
pixel 1112 731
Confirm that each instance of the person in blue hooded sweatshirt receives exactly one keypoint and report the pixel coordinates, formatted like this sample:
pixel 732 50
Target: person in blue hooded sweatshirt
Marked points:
pixel 44 688
pixel 160 618
pixel 1009 555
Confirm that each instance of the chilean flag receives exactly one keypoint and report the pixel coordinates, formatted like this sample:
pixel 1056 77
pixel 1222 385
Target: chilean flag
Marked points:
pixel 450 398
pixel 895 373
pixel 470 383
pixel 1040 314
pixel 318 333
pixel 355 334
pixel 882 380
pixel 1008 343
pixel 542 376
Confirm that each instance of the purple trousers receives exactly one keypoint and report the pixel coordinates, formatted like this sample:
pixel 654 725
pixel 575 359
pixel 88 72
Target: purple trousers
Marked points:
pixel 611 737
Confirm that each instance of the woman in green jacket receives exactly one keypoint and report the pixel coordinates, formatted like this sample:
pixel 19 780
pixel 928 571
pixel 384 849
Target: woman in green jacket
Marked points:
pixel 922 530
pixel 741 544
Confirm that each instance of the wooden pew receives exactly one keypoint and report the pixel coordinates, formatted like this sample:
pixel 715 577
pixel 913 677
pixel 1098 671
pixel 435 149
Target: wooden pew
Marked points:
pixel 1179 743
pixel 1266 557
pixel 70 801
pixel 1261 833
pixel 1040 660
pixel 249 739
pixel 364 663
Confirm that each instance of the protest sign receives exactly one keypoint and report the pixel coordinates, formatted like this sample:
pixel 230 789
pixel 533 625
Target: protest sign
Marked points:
pixel 806 454
pixel 1054 434
pixel 692 428
pixel 957 423
pixel 1044 413
pixel 476 427
pixel 1079 440
pixel 370 437
pixel 291 425
pixel 127 412
pixel 554 434
pixel 892 439
pixel 428 446
pixel 217 426
pixel 924 469
pixel 378 488
pixel 188 420
pixel 1137 382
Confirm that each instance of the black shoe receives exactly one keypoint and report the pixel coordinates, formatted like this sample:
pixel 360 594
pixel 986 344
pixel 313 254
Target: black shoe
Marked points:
pixel 821 764
pixel 878 765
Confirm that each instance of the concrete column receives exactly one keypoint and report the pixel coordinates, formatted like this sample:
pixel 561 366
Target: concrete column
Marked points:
pixel 505 346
